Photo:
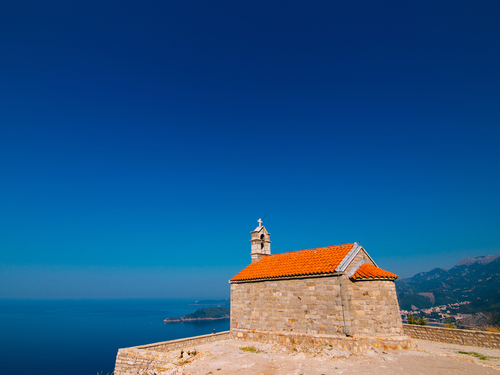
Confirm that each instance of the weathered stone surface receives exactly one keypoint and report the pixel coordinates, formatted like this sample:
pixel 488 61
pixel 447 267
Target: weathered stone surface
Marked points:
pixel 332 305
pixel 287 305
pixel 165 357
pixel 375 309
pixel 454 336
pixel 339 343
pixel 160 358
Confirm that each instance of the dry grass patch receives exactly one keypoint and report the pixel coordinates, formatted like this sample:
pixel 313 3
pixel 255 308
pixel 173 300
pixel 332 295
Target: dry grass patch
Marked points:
pixel 492 329
pixel 251 349
pixel 478 355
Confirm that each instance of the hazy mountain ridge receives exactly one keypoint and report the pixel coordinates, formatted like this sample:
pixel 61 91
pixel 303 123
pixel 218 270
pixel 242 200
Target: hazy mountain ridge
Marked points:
pixel 473 279
pixel 482 260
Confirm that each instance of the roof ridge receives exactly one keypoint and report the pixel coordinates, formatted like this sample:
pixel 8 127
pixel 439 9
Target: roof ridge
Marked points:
pixel 315 261
pixel 316 248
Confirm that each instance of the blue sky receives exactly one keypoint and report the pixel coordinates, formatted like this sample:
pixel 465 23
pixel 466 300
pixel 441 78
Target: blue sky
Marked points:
pixel 141 141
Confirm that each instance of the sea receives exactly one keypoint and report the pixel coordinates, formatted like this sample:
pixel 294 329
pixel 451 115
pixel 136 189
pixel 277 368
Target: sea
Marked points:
pixel 82 337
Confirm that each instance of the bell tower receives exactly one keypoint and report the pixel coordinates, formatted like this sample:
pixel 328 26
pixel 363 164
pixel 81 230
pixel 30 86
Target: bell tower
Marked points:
pixel 261 245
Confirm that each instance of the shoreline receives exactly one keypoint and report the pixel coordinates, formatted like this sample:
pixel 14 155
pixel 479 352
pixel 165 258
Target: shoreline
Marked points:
pixel 178 320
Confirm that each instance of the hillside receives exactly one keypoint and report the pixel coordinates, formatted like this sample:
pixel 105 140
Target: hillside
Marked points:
pixel 473 279
pixel 218 302
pixel 210 313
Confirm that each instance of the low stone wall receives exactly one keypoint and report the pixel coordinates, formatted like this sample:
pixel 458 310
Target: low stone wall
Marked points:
pixel 352 344
pixel 160 358
pixel 453 336
pixel 187 342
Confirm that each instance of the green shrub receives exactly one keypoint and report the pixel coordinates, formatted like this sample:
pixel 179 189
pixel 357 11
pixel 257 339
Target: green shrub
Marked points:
pixel 422 321
pixel 412 319
pixel 448 324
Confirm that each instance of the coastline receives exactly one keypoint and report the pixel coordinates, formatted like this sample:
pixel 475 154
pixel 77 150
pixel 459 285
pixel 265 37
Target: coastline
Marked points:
pixel 178 320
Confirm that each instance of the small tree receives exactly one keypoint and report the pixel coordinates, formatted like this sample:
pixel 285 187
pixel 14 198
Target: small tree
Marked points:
pixel 448 324
pixel 411 319
pixel 422 321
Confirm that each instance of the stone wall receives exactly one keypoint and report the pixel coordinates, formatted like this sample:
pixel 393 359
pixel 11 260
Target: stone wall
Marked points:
pixel 133 361
pixel 352 344
pixel 371 305
pixel 186 342
pixel 375 308
pixel 308 305
pixel 332 305
pixel 160 358
pixel 453 336
pixel 163 358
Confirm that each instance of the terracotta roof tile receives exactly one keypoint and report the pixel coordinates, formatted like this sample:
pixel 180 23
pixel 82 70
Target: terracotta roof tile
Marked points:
pixel 303 262
pixel 368 271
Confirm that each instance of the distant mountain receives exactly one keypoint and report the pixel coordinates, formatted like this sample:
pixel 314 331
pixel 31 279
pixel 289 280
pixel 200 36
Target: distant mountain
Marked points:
pixel 482 260
pixel 473 279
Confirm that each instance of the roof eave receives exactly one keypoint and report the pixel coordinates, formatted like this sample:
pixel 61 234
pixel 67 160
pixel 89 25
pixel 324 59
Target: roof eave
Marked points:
pixel 374 278
pixel 302 276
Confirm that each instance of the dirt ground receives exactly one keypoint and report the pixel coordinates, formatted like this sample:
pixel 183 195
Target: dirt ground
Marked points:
pixel 430 358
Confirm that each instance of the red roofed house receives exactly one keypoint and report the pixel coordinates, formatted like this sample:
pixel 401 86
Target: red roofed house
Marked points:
pixel 334 290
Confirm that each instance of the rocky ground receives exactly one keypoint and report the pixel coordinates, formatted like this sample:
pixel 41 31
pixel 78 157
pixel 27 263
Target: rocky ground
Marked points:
pixel 430 358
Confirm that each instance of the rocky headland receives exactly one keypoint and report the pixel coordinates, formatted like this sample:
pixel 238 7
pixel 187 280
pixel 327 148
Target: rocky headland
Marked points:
pixel 210 313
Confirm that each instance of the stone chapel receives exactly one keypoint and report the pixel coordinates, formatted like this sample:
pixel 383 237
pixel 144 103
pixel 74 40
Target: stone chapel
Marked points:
pixel 334 290
pixel 334 296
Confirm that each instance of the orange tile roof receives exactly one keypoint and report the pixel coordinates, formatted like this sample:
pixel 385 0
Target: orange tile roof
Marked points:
pixel 303 262
pixel 368 271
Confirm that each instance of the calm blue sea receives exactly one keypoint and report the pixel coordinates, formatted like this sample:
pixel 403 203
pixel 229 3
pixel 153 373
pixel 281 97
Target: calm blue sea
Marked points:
pixel 82 337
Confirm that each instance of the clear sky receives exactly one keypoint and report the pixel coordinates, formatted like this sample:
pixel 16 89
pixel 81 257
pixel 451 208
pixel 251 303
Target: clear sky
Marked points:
pixel 141 140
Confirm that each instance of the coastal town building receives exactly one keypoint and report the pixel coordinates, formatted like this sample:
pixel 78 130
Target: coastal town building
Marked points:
pixel 334 290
